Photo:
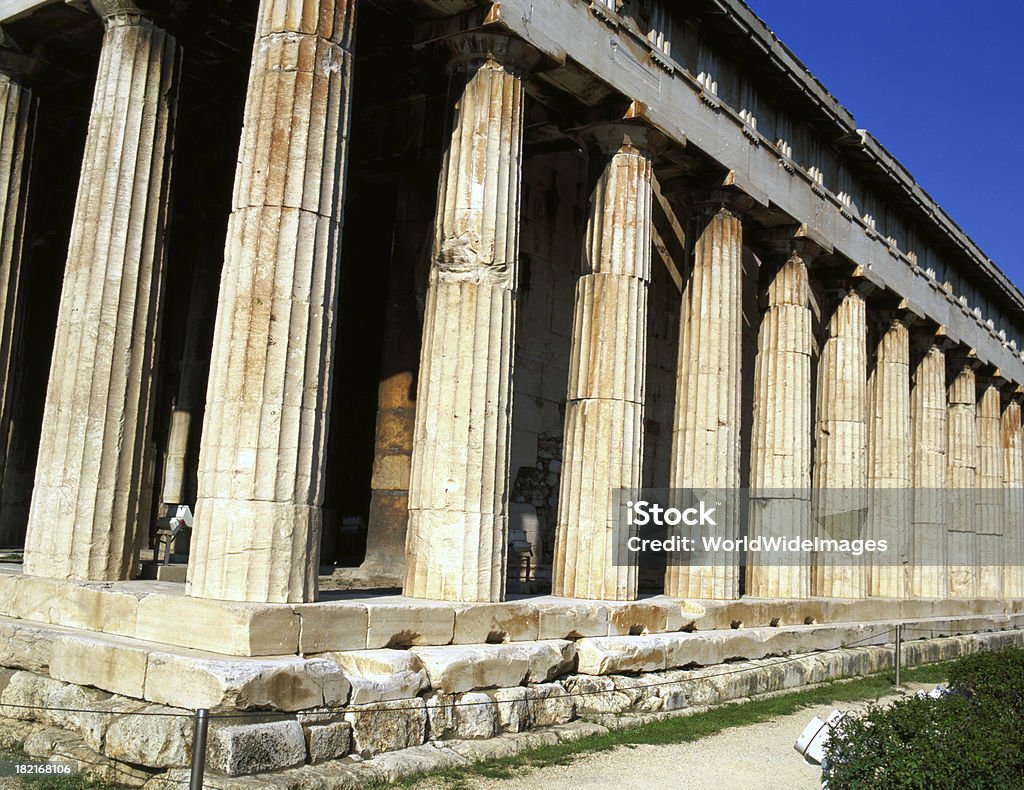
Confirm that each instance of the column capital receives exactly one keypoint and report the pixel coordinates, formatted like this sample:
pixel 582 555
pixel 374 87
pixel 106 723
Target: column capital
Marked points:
pixel 613 137
pixel 706 203
pixel 117 12
pixel 471 49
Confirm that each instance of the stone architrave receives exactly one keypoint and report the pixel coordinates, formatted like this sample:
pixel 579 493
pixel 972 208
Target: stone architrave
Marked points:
pixel 17 131
pixel 840 459
pixel 928 416
pixel 1013 480
pixel 85 516
pixel 780 452
pixel 456 540
pixel 889 508
pixel 989 507
pixel 961 468
pixel 262 453
pixel 706 430
pixel 604 412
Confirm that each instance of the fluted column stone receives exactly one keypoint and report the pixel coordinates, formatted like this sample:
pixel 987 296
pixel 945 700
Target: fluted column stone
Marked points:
pixel 889 463
pixel 17 131
pixel 990 506
pixel 1013 481
pixel 780 453
pixel 262 452
pixel 961 467
pixel 604 412
pixel 840 458
pixel 706 429
pixel 181 451
pixel 85 513
pixel 456 542
pixel 928 415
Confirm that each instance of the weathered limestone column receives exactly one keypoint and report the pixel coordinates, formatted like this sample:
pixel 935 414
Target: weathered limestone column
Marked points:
pixel 180 454
pixel 961 466
pixel 261 459
pixel 928 475
pixel 1013 480
pixel 706 431
pixel 17 129
pixel 989 507
pixel 85 515
pixel 840 459
pixel 780 451
pixel 604 411
pixel 889 463
pixel 458 493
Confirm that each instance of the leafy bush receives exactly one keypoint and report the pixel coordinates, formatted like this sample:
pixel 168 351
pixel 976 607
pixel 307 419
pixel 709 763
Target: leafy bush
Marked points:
pixel 971 738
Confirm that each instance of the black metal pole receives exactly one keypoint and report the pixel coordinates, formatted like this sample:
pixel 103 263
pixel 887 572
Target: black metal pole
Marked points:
pixel 899 649
pixel 202 724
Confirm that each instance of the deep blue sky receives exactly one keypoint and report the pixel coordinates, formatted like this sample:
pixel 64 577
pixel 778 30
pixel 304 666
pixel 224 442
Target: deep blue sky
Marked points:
pixel 941 84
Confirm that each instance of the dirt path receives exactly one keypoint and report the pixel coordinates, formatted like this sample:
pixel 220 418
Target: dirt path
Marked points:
pixel 754 757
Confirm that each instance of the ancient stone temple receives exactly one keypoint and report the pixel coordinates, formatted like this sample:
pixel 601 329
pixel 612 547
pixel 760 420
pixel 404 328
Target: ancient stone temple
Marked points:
pixel 395 296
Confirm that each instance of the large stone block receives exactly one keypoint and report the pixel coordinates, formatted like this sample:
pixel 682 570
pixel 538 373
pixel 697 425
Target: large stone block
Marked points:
pixel 513 707
pixel 568 618
pixel 156 741
pixel 640 617
pixel 404 622
pixel 238 629
pixel 108 664
pixel 189 681
pixel 74 604
pixel 551 704
pixel 241 749
pixel 328 741
pixel 331 626
pixel 472 715
pixel 24 646
pixel 388 726
pixel 466 668
pixel 493 623
pixel 617 654
pixel 381 675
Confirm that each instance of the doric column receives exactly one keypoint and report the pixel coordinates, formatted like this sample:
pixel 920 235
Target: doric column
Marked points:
pixel 989 507
pixel 181 452
pixel 458 491
pixel 1013 480
pixel 889 462
pixel 840 458
pixel 928 475
pixel 85 513
pixel 780 452
pixel 17 130
pixel 261 460
pixel 961 466
pixel 604 411
pixel 706 429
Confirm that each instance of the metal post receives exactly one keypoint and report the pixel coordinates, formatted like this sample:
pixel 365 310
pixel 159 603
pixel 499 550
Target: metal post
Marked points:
pixel 899 646
pixel 202 724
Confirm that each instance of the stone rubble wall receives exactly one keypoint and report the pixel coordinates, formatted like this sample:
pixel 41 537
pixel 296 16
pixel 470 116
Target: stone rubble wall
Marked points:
pixel 375 702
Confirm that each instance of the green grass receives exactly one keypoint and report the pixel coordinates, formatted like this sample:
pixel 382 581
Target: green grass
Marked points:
pixel 682 728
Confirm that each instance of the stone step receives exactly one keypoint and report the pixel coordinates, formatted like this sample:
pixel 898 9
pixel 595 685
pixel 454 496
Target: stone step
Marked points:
pixel 159 612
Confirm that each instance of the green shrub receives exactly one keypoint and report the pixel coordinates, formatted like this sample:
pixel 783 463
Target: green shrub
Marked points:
pixel 971 738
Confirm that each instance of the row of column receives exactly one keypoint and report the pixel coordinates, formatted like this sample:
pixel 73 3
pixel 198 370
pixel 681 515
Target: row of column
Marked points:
pixel 261 466
pixel 257 520
pixel 861 428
